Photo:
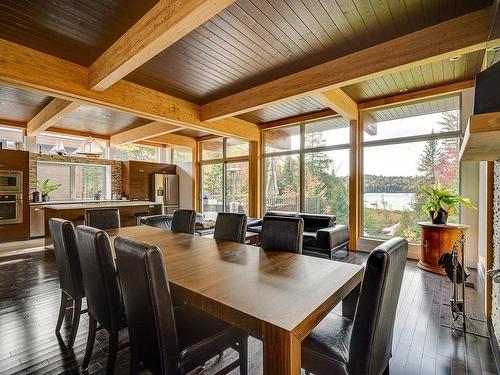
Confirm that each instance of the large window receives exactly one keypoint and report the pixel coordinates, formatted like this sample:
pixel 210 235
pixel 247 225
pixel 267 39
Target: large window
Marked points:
pixel 306 168
pixel 78 181
pixel 224 176
pixel 405 148
pixel 10 137
pixel 133 151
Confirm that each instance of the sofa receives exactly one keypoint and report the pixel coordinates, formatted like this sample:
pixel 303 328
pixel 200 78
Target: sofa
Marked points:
pixel 322 235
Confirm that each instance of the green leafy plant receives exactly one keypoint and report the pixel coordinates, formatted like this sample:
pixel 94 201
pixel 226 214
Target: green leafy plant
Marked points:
pixel 46 187
pixel 442 198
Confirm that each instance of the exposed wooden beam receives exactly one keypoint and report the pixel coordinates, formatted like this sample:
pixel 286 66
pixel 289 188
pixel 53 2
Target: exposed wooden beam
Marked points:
pixel 140 133
pixel 340 102
pixel 409 96
pixel 162 26
pixel 174 139
pixel 464 34
pixel 55 129
pixel 35 71
pixel 299 119
pixel 16 124
pixel 48 116
pixel 207 138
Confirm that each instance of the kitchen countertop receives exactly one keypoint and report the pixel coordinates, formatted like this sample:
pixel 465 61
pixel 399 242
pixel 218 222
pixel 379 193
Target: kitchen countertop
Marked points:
pixel 77 201
pixel 76 206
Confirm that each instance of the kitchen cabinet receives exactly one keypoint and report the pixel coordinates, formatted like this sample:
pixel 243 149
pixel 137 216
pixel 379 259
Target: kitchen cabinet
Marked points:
pixel 137 175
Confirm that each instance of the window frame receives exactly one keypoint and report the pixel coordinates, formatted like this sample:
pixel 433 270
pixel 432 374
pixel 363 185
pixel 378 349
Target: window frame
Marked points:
pixel 225 160
pixel 302 151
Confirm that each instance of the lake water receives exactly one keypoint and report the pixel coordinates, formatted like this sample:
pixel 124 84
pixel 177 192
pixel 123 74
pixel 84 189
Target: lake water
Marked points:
pixel 393 201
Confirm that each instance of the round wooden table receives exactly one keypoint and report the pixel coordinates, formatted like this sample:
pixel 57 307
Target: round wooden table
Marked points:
pixel 435 240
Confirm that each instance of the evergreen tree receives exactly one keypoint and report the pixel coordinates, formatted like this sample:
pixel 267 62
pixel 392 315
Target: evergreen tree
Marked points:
pixel 429 159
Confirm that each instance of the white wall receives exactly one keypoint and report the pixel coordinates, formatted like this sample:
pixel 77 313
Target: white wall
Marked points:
pixel 482 226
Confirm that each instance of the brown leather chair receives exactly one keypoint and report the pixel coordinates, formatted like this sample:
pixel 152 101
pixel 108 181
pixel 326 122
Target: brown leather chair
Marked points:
pixel 157 221
pixel 339 345
pixel 230 227
pixel 102 218
pixel 102 289
pixel 184 221
pixel 69 272
pixel 163 338
pixel 282 234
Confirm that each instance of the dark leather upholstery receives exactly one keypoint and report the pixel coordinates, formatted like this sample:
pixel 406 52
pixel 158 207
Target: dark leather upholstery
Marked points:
pixel 100 279
pixel 315 222
pixel 103 218
pixel 165 339
pixel 282 234
pixel 327 240
pixel 362 346
pixel 184 221
pixel 63 236
pixel 158 221
pixel 230 227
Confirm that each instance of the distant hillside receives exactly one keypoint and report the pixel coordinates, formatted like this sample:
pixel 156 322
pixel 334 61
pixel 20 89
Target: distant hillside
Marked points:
pixel 390 184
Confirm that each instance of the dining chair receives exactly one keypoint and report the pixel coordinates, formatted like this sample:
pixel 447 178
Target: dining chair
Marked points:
pixel 184 221
pixel 282 233
pixel 230 227
pixel 102 218
pixel 163 338
pixel 102 289
pixel 158 221
pixel 69 272
pixel 339 345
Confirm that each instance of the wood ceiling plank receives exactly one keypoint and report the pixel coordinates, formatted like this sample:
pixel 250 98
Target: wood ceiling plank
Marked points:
pixel 460 35
pixel 174 139
pixel 340 102
pixel 143 132
pixel 167 22
pixel 35 71
pixel 48 116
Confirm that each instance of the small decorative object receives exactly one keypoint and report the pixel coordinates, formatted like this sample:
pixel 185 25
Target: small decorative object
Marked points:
pixel 89 148
pixel 46 188
pixel 58 148
pixel 36 196
pixel 442 202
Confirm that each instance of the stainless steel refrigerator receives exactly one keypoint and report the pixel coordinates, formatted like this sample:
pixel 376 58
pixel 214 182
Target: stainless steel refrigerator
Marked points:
pixel 166 191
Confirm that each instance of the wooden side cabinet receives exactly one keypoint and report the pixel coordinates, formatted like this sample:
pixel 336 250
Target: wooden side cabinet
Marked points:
pixel 435 240
pixel 136 178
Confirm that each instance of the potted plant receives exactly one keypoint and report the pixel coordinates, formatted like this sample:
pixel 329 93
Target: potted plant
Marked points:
pixel 46 188
pixel 443 202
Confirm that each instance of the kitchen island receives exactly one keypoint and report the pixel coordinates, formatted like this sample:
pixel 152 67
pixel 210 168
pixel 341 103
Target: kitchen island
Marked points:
pixel 75 212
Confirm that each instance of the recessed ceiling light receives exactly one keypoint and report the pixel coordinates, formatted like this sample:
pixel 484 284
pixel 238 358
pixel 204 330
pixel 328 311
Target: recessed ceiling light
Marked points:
pixel 455 58
pixel 403 90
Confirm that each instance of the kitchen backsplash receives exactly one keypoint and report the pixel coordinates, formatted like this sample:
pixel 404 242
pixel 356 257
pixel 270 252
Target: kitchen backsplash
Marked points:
pixel 495 314
pixel 116 168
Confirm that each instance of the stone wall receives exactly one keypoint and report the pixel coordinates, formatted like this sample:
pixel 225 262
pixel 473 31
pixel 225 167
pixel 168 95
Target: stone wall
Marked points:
pixel 495 314
pixel 116 168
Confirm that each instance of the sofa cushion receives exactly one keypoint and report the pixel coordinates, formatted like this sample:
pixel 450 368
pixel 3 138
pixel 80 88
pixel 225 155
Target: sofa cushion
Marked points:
pixel 314 222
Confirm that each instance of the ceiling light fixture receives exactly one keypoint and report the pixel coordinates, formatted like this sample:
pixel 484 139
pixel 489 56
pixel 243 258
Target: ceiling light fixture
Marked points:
pixel 455 58
pixel 403 90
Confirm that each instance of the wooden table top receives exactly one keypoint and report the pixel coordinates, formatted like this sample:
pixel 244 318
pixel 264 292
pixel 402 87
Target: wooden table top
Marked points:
pixel 247 286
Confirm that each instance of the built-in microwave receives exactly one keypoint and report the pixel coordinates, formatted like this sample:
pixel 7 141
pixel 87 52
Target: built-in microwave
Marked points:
pixel 11 182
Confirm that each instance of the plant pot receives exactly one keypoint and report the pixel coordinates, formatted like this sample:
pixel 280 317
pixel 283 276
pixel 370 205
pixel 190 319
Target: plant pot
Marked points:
pixel 441 218
pixel 45 198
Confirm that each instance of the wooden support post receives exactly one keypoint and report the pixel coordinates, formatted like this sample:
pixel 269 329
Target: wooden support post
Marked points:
pixel 355 183
pixel 254 179
pixel 196 179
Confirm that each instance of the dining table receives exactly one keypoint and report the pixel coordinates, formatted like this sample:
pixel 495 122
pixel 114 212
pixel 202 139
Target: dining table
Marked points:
pixel 276 296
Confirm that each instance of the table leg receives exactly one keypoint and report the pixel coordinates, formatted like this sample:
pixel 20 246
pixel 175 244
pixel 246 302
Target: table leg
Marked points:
pixel 350 302
pixel 281 351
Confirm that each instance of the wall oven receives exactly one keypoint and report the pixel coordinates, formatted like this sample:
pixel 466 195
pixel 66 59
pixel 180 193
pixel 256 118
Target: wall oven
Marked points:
pixel 11 208
pixel 11 181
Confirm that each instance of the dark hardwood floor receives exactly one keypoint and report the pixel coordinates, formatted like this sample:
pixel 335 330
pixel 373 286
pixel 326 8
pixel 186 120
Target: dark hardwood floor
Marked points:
pixel 29 298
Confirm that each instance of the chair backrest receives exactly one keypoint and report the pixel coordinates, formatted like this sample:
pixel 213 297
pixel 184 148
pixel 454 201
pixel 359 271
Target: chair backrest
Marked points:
pixel 100 279
pixel 148 305
pixel 68 263
pixel 282 233
pixel 158 221
pixel 373 326
pixel 103 218
pixel 315 222
pixel 184 221
pixel 230 227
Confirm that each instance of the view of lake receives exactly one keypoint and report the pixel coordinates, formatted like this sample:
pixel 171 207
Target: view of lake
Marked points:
pixel 394 201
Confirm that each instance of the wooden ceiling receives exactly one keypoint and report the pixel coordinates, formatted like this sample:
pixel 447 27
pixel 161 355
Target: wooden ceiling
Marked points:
pixel 20 105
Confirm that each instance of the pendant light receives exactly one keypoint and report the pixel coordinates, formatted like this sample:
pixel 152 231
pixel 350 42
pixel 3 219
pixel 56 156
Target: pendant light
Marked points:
pixel 89 148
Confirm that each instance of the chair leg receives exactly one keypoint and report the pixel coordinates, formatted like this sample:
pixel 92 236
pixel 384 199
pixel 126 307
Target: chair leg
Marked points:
pixel 135 364
pixel 62 310
pixel 113 349
pixel 386 371
pixel 243 353
pixel 77 311
pixel 90 343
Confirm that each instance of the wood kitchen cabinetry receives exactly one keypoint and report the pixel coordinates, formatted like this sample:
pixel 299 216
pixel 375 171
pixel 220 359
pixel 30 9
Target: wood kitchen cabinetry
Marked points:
pixel 136 177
